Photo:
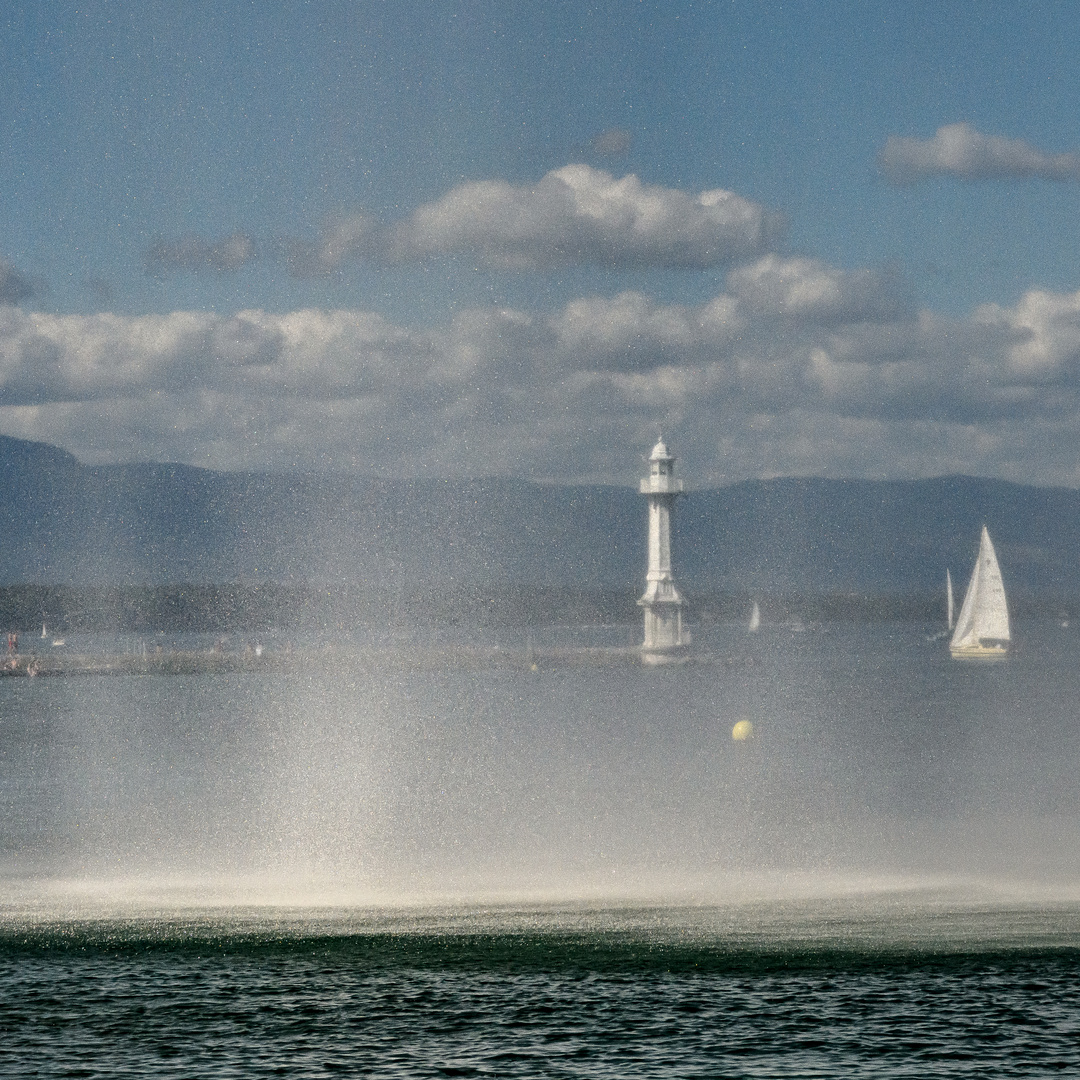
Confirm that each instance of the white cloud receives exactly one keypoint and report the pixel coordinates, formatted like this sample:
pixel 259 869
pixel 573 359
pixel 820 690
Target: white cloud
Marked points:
pixel 68 358
pixel 578 214
pixel 961 151
pixel 574 215
pixel 756 381
pixel 310 353
pixel 809 289
pixel 632 332
pixel 1044 331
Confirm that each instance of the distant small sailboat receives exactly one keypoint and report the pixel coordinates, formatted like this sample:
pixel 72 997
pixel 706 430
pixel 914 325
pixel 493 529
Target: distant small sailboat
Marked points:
pixel 982 628
pixel 950 611
pixel 44 632
pixel 755 619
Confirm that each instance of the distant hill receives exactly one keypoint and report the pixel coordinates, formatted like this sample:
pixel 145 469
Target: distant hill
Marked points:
pixel 66 523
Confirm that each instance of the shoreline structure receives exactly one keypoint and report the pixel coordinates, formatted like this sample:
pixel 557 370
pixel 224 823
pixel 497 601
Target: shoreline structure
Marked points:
pixel 331 658
pixel 315 660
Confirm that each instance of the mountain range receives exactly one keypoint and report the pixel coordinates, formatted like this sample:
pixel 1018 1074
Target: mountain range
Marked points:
pixel 65 523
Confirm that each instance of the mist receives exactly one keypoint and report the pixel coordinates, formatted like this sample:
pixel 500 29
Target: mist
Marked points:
pixel 876 764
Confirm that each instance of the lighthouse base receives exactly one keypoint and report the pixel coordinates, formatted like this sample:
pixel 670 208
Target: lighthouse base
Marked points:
pixel 665 639
pixel 678 654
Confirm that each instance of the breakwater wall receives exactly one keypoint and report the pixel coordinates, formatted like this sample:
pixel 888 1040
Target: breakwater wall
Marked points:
pixel 326 661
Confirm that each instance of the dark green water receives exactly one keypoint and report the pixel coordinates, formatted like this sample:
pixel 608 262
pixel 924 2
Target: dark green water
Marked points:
pixel 222 999
pixel 566 872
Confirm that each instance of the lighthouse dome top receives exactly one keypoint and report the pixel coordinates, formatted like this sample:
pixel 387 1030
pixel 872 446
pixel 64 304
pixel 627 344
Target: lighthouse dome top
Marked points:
pixel 660 452
pixel 661 479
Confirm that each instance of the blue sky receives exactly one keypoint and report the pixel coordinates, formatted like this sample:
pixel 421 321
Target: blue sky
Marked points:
pixel 319 235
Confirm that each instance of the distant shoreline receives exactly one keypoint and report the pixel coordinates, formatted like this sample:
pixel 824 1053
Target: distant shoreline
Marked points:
pixel 300 661
pixel 319 610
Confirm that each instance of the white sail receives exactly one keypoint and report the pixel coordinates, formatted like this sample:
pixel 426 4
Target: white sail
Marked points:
pixel 950 603
pixel 982 628
pixel 755 618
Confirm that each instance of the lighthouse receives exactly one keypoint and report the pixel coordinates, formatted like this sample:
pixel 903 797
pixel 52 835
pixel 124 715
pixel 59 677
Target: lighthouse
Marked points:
pixel 664 635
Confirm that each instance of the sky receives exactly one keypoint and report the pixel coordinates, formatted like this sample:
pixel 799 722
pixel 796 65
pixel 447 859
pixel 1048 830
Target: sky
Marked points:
pixel 496 237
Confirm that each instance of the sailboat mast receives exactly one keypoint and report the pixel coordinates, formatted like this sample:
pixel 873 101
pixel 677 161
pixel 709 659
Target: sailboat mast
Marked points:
pixel 949 599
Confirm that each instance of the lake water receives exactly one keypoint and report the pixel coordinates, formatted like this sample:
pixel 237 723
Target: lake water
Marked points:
pixel 573 871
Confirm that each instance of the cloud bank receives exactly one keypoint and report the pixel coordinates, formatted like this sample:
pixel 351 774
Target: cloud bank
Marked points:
pixel 959 150
pixel 572 215
pixel 795 367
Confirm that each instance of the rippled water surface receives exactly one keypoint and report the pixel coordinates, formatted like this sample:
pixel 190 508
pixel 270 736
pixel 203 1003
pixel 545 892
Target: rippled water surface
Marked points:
pixel 388 871
pixel 795 991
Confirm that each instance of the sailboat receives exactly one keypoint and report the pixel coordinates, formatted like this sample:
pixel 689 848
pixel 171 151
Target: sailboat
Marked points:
pixel 982 627
pixel 950 611
pixel 755 618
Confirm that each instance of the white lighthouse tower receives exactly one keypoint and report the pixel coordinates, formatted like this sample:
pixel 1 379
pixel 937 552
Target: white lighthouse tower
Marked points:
pixel 664 634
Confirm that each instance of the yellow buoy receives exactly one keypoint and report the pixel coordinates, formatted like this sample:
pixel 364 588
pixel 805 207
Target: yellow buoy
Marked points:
pixel 742 731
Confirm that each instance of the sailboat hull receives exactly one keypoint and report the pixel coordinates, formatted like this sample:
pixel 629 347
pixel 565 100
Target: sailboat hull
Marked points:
pixel 979 652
